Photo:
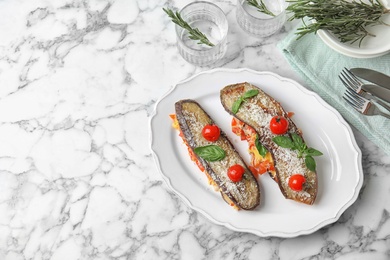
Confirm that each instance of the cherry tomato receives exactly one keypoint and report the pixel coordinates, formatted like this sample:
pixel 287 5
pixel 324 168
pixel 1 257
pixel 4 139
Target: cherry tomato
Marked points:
pixel 296 181
pixel 278 125
pixel 235 172
pixel 211 133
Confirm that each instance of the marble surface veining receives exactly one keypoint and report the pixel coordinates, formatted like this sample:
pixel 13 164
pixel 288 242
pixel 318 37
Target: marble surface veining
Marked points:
pixel 78 83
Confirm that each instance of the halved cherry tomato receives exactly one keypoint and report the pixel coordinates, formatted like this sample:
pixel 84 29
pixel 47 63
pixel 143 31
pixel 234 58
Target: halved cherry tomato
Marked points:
pixel 278 125
pixel 296 182
pixel 211 133
pixel 235 172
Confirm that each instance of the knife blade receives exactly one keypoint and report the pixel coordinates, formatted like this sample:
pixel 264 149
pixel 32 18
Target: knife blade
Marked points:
pixel 373 76
pixel 378 91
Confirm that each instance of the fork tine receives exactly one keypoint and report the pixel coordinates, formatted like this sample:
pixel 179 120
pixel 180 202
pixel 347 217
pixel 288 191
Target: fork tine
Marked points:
pixel 351 103
pixel 356 101
pixel 352 77
pixel 355 96
pixel 348 81
pixel 361 104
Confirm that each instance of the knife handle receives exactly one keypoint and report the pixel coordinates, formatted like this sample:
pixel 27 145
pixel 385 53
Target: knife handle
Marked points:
pixel 382 104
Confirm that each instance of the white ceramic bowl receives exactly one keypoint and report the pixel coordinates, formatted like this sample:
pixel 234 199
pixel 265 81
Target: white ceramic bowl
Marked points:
pixel 370 46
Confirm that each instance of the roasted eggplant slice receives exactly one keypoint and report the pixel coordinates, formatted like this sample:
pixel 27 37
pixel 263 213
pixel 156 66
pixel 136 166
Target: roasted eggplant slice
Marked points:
pixel 257 111
pixel 244 194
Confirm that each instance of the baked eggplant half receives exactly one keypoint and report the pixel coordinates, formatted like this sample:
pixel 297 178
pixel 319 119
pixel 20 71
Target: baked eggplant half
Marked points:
pixel 293 161
pixel 242 192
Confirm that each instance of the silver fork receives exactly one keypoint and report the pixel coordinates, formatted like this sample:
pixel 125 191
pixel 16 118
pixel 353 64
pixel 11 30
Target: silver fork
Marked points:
pixel 362 104
pixel 352 82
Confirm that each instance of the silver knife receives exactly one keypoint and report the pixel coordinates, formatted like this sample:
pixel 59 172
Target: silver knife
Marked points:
pixel 378 91
pixel 372 76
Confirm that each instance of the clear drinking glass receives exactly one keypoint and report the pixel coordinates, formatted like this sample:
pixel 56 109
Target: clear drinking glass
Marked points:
pixel 212 22
pixel 257 23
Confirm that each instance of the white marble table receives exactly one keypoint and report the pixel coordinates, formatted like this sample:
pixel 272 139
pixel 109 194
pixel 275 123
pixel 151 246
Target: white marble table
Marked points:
pixel 78 83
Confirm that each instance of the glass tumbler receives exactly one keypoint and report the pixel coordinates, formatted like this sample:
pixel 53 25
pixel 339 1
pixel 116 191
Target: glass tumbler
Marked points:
pixel 259 24
pixel 211 21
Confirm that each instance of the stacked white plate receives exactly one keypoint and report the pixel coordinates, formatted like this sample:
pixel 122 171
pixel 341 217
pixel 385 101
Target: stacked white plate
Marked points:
pixel 370 46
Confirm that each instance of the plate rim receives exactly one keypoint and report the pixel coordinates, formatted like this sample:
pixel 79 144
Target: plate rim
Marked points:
pixel 357 157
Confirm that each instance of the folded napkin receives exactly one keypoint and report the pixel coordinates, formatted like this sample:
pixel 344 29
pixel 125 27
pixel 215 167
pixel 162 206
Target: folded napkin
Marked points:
pixel 319 66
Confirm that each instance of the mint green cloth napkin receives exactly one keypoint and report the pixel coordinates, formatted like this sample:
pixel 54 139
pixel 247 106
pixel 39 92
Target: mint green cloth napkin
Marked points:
pixel 319 66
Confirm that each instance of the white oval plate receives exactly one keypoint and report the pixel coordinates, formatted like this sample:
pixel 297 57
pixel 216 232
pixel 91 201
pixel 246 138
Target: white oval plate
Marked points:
pixel 339 170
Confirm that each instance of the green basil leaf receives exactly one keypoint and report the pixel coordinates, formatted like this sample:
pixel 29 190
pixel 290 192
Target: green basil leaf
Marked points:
pixel 313 152
pixel 250 93
pixel 210 153
pixel 284 141
pixel 260 148
pixel 236 105
pixel 299 144
pixel 310 163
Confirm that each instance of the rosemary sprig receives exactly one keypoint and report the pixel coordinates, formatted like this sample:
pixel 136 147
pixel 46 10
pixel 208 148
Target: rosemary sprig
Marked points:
pixel 261 7
pixel 195 34
pixel 346 20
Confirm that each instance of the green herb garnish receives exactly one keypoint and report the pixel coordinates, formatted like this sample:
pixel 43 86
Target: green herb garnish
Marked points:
pixel 260 148
pixel 195 34
pixel 210 153
pixel 345 19
pixel 261 7
pixel 237 104
pixel 296 143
